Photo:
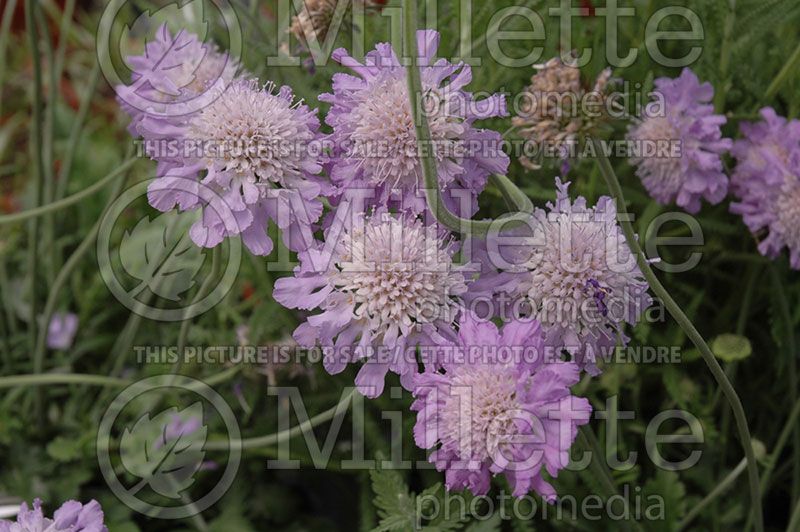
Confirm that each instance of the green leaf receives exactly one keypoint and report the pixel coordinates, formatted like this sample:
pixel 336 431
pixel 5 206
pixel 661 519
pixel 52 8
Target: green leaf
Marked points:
pixel 664 499
pixel 730 347
pixel 64 449
pixel 394 501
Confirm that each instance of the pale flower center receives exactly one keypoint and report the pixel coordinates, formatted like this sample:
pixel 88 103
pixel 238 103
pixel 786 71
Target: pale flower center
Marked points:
pixel 789 212
pixel 480 411
pixel 252 132
pixel 384 137
pixel 397 273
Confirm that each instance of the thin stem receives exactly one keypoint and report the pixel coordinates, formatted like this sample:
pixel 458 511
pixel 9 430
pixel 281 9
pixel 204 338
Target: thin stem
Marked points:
pixel 61 280
pixel 791 348
pixel 678 315
pixel 788 68
pixel 38 169
pixel 5 26
pixel 589 440
pixel 75 132
pixel 70 200
pixel 721 487
pixel 432 193
pixel 46 379
pixel 279 437
pixel 794 522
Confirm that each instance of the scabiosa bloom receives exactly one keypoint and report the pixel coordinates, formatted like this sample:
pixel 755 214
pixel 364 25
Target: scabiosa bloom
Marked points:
pixel 317 15
pixel 554 107
pixel 678 144
pixel 384 283
pixel 486 416
pixel 61 330
pixel 71 517
pixel 373 128
pixel 257 150
pixel 577 277
pixel 176 75
pixel 767 183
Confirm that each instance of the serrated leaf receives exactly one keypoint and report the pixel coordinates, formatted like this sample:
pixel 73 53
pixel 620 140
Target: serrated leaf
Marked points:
pixel 730 347
pixel 160 255
pixel 667 490
pixel 166 451
pixel 393 500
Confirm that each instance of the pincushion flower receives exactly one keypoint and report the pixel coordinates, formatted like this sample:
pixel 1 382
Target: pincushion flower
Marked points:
pixel 486 416
pixel 250 156
pixel 677 145
pixel 383 283
pixel 374 136
pixel 576 276
pixel 556 108
pixel 72 516
pixel 766 182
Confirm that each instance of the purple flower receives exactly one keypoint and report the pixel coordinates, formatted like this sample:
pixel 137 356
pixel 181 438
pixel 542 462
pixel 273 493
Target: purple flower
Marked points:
pixel 374 136
pixel 61 330
pixel 384 283
pixel 253 149
pixel 678 144
pixel 767 183
pixel 575 274
pixel 71 517
pixel 484 416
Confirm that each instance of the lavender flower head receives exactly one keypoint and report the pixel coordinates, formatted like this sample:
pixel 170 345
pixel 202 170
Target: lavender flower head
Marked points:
pixel 384 283
pixel 576 276
pixel 249 157
pixel 374 136
pixel 486 416
pixel 691 170
pixel 71 517
pixel 61 330
pixel 766 182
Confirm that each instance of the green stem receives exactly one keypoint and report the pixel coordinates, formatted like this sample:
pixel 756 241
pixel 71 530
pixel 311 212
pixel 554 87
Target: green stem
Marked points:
pixel 279 437
pixel 725 57
pixel 794 522
pixel 432 193
pixel 5 27
pixel 791 347
pixel 75 132
pixel 71 200
pixel 589 442
pixel 721 487
pixel 46 379
pixel 38 169
pixel 788 428
pixel 788 68
pixel 678 315
pixel 61 280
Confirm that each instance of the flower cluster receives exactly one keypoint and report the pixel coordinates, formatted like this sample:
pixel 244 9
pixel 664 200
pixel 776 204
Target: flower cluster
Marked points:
pixel 767 183
pixel 72 516
pixel 682 115
pixel 380 285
